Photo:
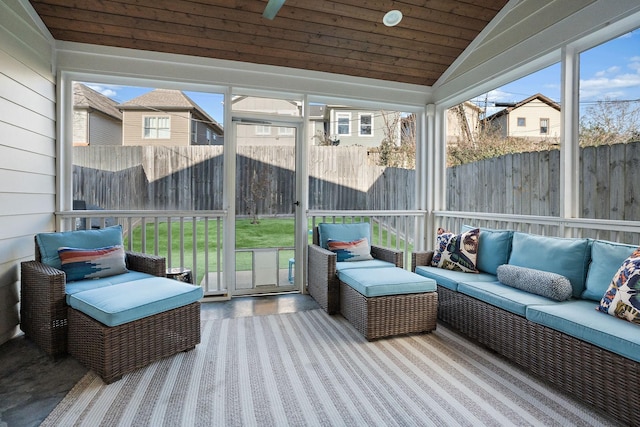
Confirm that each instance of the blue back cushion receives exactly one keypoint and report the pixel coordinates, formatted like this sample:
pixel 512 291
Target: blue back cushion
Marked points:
pixel 565 256
pixel 343 232
pixel 606 259
pixel 49 243
pixel 494 248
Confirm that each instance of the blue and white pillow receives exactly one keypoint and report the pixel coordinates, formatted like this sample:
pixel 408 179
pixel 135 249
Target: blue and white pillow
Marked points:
pixel 80 264
pixel 622 299
pixel 357 250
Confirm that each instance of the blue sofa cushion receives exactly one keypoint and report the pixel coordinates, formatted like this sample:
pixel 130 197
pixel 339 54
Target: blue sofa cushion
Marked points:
pixel 622 299
pixel 80 264
pixel 565 256
pixel 544 283
pixel 606 259
pixel 374 263
pixel 49 243
pixel 343 232
pixel 457 252
pixel 125 302
pixel 83 285
pixel 500 295
pixel 386 281
pixel 450 279
pixel 580 319
pixel 357 250
pixel 494 248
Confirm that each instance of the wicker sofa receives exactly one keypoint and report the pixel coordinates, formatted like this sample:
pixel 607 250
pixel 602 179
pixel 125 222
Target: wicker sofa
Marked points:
pixel 113 324
pixel 589 354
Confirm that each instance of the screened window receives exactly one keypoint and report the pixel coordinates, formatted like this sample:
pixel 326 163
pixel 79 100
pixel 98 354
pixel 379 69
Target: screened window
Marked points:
pixel 157 127
pixel 544 126
pixel 344 123
pixel 366 124
pixel 522 121
pixel 263 130
pixel 285 131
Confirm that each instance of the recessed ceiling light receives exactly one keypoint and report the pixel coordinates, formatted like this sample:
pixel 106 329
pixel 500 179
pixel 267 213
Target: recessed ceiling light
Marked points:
pixel 392 18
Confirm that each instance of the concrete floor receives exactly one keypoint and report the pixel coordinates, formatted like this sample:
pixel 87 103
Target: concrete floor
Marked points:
pixel 32 384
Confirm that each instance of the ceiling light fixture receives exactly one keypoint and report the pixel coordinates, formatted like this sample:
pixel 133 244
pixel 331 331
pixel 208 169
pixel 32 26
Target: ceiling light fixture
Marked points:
pixel 392 18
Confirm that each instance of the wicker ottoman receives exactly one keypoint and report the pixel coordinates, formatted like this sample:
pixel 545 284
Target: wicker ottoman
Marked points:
pixel 383 302
pixel 117 329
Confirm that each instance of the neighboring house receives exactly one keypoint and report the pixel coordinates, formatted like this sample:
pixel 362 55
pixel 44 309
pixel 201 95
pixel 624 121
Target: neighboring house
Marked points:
pixel 351 126
pixel 535 118
pixel 96 118
pixel 167 117
pixel 263 134
pixel 463 122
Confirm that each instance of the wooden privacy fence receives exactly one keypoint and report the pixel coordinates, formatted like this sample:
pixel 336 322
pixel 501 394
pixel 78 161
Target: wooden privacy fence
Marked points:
pixel 343 178
pixel 191 178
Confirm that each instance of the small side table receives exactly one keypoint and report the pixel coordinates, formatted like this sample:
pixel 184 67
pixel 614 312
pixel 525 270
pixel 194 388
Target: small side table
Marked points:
pixel 180 274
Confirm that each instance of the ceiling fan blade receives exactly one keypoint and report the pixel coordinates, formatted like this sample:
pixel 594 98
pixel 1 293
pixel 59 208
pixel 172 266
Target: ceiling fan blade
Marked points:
pixel 273 6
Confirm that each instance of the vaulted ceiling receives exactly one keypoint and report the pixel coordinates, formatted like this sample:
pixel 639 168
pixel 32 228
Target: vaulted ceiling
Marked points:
pixel 343 37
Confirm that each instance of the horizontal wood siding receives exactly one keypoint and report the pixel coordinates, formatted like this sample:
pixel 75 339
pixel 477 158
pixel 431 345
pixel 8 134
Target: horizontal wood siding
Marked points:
pixel 27 151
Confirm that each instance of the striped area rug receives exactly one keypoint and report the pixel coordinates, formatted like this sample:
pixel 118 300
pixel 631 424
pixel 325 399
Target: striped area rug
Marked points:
pixel 312 369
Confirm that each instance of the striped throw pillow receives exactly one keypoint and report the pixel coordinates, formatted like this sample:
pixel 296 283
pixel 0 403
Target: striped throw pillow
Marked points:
pixel 79 264
pixel 357 250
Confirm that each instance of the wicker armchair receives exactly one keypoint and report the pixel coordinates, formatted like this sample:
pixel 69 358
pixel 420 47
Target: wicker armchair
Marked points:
pixel 322 282
pixel 43 308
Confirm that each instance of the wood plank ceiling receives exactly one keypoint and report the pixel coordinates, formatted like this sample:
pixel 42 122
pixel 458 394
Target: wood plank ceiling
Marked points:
pixel 343 37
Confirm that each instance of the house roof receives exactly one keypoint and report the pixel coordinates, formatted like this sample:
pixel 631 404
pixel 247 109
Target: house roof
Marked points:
pixel 170 99
pixel 85 97
pixel 550 102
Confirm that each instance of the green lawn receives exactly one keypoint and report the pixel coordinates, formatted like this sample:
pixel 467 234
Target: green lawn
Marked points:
pixel 269 233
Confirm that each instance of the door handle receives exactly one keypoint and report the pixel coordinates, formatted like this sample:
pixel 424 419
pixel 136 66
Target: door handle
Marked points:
pixel 297 203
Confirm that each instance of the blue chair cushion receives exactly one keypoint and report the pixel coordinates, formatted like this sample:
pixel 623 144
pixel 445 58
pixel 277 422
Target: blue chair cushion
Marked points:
pixel 494 248
pixel 125 302
pixel 507 298
pixel 49 243
pixel 580 319
pixel 450 279
pixel 606 259
pixel 374 263
pixel 377 282
pixel 565 256
pixel 343 232
pixel 84 285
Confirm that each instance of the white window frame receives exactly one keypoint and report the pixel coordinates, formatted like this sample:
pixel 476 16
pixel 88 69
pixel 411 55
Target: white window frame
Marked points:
pixel 343 115
pixel 262 130
pixel 360 116
pixel 286 131
pixel 542 119
pixel 157 127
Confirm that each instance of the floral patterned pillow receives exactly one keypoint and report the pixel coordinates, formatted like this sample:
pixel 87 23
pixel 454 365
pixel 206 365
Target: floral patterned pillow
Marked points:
pixel 457 251
pixel 622 299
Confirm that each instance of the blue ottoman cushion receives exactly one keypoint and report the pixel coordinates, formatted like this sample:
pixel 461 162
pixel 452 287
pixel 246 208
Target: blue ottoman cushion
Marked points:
pixel 125 302
pixel 377 282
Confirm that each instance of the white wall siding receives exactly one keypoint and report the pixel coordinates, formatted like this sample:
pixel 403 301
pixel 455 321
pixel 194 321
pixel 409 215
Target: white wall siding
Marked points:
pixel 27 150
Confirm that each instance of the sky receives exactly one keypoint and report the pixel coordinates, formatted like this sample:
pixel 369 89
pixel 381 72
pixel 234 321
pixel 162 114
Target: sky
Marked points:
pixel 608 71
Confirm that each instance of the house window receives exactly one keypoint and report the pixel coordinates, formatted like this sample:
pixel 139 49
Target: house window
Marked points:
pixel 157 127
pixel 211 137
pixel 522 121
pixel 544 126
pixel 344 123
pixel 366 125
pixel 263 130
pixel 285 131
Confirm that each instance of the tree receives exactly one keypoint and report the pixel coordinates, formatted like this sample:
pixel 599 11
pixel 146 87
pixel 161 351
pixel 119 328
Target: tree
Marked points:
pixel 398 147
pixel 610 122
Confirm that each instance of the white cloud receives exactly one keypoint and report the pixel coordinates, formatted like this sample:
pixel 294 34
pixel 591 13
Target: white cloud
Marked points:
pixel 110 91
